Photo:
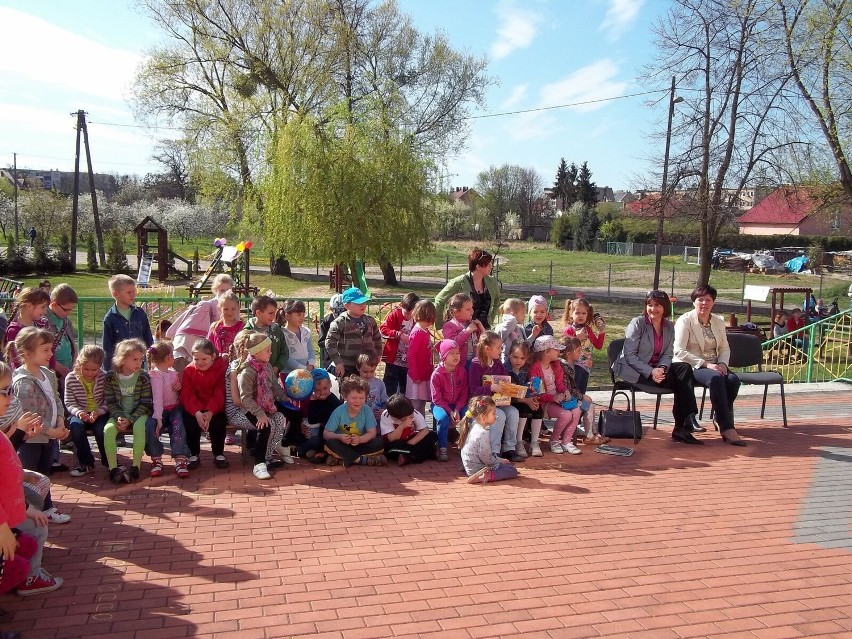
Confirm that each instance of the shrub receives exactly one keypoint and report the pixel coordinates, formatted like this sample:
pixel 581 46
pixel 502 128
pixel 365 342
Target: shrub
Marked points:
pixel 91 254
pixel 116 257
pixel 562 231
pixel 16 259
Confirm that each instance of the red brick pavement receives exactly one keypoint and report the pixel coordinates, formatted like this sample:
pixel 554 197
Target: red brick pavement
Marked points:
pixel 675 542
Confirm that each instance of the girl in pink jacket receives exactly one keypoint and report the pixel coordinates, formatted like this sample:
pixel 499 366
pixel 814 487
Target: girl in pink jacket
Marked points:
pixel 449 393
pixel 554 394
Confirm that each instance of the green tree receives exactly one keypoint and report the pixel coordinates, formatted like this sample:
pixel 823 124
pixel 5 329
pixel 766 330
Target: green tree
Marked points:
pixel 340 190
pixel 587 226
pixel 229 70
pixel 116 257
pixel 587 191
pixel 91 254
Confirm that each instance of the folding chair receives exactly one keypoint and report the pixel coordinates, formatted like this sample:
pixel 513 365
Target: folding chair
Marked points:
pixel 612 352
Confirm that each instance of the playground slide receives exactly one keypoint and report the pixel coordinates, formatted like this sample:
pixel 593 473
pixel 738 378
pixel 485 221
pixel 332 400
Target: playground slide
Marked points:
pixel 359 278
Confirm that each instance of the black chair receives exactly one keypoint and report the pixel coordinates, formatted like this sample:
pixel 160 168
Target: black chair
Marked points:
pixel 747 351
pixel 612 352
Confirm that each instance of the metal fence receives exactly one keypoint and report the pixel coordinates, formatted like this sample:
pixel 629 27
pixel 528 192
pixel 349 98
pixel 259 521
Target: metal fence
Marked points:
pixel 822 352
pixel 91 311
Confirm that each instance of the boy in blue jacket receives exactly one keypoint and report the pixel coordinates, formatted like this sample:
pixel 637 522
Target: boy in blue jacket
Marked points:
pixel 124 319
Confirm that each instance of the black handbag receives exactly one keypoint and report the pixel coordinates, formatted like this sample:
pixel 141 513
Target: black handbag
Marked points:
pixel 621 424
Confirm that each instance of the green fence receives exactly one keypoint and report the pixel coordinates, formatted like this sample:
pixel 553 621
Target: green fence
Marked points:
pixel 822 352
pixel 91 311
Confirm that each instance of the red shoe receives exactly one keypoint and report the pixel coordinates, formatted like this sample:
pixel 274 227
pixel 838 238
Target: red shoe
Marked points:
pixel 156 467
pixel 39 584
pixel 181 469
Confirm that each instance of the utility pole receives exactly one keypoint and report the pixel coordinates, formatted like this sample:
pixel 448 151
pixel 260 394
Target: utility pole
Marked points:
pixel 15 184
pixel 98 231
pixel 81 128
pixel 658 253
pixel 74 206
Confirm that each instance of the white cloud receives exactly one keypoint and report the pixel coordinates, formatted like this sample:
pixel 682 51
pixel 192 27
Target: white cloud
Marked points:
pixel 596 81
pixel 518 94
pixel 58 57
pixel 516 28
pixel 620 17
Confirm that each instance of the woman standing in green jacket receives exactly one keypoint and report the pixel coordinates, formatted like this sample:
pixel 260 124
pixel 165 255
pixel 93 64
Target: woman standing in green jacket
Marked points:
pixel 478 283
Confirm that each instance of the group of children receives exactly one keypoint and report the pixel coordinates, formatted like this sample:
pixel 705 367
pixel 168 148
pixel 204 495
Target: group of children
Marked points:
pixel 210 369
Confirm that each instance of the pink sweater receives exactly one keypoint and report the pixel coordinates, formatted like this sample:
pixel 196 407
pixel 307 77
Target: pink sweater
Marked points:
pixel 558 377
pixel 161 388
pixel 13 510
pixel 449 389
pixel 419 355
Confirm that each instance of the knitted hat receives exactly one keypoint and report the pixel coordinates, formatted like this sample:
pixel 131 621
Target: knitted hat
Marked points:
pixel 536 300
pixel 545 342
pixel 445 346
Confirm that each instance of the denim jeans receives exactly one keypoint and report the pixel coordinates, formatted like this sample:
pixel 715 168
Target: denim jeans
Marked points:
pixel 79 430
pixel 173 426
pixel 504 436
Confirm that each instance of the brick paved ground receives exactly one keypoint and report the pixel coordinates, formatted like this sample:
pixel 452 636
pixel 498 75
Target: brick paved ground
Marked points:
pixel 674 542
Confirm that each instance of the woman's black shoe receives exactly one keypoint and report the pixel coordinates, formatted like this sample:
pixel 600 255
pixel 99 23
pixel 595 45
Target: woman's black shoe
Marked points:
pixel 691 421
pixel 738 442
pixel 686 438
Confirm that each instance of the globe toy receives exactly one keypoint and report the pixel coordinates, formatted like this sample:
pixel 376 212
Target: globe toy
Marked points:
pixel 299 384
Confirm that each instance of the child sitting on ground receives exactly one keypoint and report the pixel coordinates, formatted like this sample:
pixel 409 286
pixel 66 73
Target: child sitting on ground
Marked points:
pixel 85 402
pixel 165 385
pixel 480 462
pixel 259 390
pixel 127 392
pixel 350 433
pixel 320 407
pixel 377 398
pixel 406 436
pixel 448 387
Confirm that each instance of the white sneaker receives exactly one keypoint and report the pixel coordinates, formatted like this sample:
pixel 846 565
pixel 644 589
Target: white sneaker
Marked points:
pixel 261 471
pixel 556 447
pixel 521 451
pixel 284 452
pixel 571 449
pixel 56 517
pixel 535 450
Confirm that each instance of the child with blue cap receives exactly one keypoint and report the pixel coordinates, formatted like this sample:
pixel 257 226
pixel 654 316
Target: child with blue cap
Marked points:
pixel 351 334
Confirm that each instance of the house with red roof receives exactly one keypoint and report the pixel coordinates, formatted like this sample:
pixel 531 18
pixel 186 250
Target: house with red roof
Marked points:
pixel 794 210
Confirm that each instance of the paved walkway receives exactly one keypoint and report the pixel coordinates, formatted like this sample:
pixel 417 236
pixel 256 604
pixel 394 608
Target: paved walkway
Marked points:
pixel 674 542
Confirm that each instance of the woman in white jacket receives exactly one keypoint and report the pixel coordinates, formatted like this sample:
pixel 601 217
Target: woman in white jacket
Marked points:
pixel 702 342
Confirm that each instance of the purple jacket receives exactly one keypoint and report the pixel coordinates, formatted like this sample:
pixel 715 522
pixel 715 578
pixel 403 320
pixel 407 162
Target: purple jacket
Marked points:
pixel 475 373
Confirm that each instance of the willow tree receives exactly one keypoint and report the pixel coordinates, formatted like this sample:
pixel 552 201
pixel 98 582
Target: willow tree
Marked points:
pixel 342 189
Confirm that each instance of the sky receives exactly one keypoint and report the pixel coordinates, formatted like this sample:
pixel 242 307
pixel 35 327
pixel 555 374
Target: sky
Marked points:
pixel 83 54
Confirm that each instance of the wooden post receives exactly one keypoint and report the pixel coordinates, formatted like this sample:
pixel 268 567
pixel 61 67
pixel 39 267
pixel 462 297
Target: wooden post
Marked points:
pixel 98 231
pixel 75 201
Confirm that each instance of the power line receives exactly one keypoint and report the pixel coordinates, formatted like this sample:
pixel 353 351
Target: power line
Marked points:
pixel 67 159
pixel 565 106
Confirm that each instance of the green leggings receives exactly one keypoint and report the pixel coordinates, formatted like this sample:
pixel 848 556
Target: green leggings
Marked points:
pixel 111 432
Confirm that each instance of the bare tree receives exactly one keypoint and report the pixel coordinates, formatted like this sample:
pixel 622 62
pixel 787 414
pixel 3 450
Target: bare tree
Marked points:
pixel 817 39
pixel 529 188
pixel 722 53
